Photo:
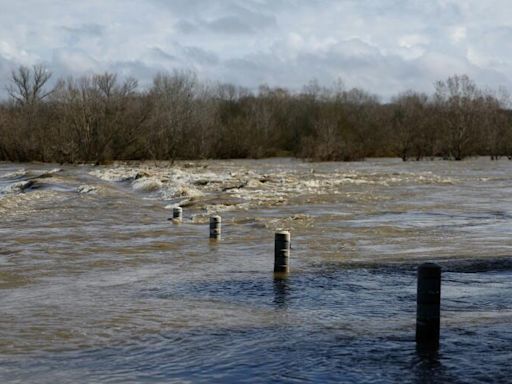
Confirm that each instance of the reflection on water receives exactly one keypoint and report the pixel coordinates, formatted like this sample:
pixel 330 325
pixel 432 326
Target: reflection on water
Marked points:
pixel 98 286
pixel 281 289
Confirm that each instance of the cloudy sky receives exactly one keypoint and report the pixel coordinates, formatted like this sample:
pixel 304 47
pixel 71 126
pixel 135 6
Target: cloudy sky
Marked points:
pixel 384 46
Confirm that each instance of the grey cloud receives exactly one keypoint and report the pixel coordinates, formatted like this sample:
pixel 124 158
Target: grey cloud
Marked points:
pixel 256 18
pixel 488 46
pixel 74 62
pixel 201 56
pixel 229 24
pixel 95 30
pixel 186 26
pixel 385 46
pixel 248 72
pixel 136 69
pixel 242 20
pixel 358 65
pixel 181 56
pixel 6 67
pixel 190 8
pixel 81 32
pixel 160 54
pixel 187 7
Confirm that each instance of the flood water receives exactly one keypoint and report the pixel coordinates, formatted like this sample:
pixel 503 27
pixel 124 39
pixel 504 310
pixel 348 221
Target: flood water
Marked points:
pixel 97 285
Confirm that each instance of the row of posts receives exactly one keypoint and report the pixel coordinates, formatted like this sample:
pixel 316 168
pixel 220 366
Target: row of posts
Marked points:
pixel 215 222
pixel 428 297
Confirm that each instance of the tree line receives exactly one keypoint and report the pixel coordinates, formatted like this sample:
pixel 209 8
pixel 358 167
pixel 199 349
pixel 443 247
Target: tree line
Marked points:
pixel 100 118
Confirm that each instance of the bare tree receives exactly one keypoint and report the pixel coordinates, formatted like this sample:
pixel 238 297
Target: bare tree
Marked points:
pixel 28 86
pixel 459 102
pixel 496 130
pixel 101 118
pixel 172 118
pixel 231 135
pixel 409 119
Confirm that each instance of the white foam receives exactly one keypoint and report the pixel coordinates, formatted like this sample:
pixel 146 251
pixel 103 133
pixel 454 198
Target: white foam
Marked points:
pixel 86 189
pixel 147 184
pixel 16 173
pixel 18 186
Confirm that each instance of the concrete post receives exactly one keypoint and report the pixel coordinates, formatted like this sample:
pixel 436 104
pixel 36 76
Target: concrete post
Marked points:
pixel 177 214
pixel 428 306
pixel 215 227
pixel 282 251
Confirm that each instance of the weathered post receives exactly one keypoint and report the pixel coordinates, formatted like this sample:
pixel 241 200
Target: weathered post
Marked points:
pixel 428 311
pixel 282 252
pixel 177 214
pixel 215 227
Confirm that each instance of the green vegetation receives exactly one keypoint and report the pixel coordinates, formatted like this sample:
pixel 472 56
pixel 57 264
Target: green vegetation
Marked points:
pixel 99 119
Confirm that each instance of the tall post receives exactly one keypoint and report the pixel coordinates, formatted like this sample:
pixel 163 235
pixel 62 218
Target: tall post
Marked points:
pixel 282 252
pixel 428 311
pixel 177 214
pixel 215 227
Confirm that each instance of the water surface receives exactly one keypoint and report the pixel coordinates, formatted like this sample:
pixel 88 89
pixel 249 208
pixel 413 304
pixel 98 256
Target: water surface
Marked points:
pixel 97 285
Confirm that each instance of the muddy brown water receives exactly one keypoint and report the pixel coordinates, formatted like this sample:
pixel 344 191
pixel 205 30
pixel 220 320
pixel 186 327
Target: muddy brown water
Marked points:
pixel 97 285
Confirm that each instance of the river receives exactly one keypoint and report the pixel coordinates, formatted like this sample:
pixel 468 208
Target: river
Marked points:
pixel 98 285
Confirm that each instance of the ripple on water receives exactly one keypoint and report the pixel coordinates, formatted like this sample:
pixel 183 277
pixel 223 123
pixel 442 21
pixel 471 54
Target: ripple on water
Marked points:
pixel 100 287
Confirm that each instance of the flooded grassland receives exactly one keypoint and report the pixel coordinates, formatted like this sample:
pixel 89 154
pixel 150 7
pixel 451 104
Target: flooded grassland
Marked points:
pixel 97 285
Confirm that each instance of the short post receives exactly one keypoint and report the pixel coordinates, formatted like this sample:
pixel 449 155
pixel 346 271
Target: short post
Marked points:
pixel 177 214
pixel 282 252
pixel 215 227
pixel 428 310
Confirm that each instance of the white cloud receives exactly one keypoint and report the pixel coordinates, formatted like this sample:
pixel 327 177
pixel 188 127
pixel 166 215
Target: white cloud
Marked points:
pixel 386 46
pixel 458 34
